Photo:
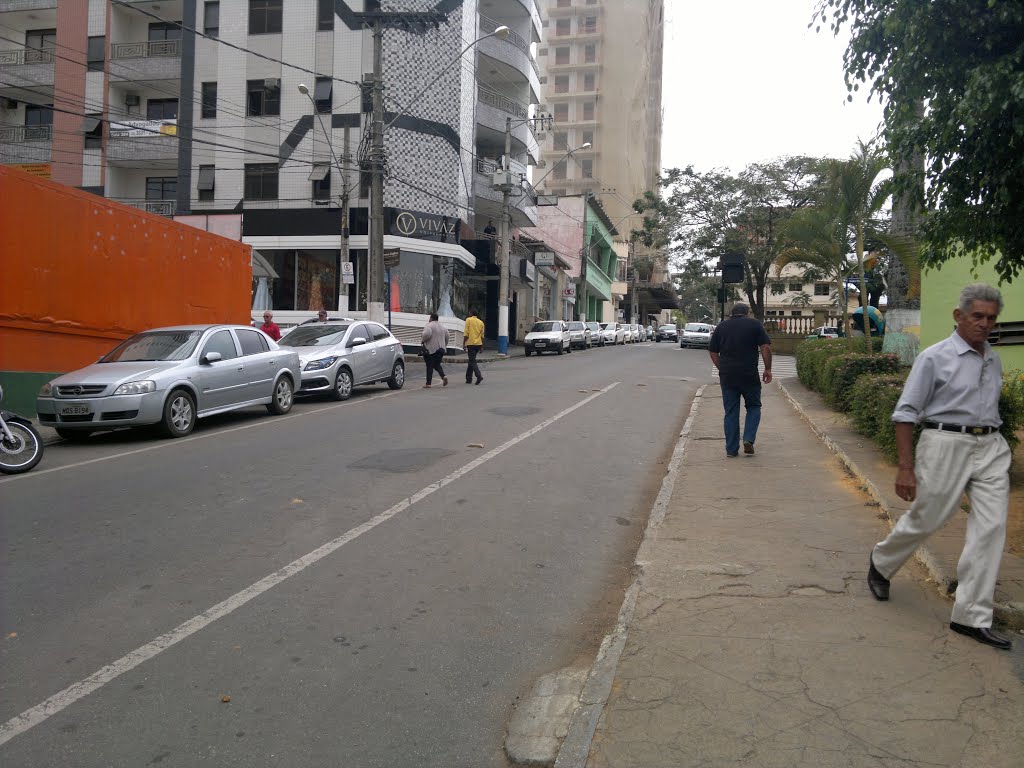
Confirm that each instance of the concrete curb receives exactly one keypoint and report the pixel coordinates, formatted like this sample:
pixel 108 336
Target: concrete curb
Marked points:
pixel 575 748
pixel 1011 615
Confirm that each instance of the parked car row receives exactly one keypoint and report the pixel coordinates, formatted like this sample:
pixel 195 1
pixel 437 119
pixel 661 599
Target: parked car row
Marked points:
pixel 561 336
pixel 173 376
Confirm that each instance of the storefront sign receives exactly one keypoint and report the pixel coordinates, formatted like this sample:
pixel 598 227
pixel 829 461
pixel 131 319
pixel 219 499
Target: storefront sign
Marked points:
pixel 570 292
pixel 144 128
pixel 391 257
pixel 42 170
pixel 423 226
pixel 528 272
pixel 544 259
pixel 348 272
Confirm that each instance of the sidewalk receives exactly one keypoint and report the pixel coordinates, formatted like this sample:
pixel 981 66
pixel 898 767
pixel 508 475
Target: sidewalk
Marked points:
pixel 750 637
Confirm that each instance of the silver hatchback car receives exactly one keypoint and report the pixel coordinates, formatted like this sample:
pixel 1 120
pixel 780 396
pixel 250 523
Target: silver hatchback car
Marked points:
pixel 338 355
pixel 172 376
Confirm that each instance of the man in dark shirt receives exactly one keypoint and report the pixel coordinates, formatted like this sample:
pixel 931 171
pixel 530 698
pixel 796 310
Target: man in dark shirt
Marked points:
pixel 734 347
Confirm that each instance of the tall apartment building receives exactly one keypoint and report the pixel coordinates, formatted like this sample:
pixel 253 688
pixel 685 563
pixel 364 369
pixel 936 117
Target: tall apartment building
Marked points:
pixel 120 98
pixel 602 61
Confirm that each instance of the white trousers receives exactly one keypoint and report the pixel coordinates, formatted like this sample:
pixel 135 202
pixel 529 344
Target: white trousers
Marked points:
pixel 947 465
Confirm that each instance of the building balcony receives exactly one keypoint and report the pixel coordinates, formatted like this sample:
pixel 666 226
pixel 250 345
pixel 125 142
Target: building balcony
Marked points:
pixel 26 68
pixel 160 150
pixel 159 207
pixel 145 61
pixel 29 5
pixel 575 8
pixel 26 143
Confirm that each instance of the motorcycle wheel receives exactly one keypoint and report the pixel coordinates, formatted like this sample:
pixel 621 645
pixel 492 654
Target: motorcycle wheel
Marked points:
pixel 22 452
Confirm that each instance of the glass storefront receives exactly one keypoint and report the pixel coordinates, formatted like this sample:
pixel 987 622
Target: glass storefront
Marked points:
pixel 306 279
pixel 423 283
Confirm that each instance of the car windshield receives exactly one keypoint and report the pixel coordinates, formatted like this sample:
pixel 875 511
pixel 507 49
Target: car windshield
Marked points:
pixel 545 327
pixel 694 327
pixel 594 326
pixel 319 335
pixel 155 346
pixel 576 326
pixel 668 327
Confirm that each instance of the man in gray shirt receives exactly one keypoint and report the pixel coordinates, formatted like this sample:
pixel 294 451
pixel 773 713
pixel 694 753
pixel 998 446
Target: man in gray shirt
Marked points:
pixel 953 393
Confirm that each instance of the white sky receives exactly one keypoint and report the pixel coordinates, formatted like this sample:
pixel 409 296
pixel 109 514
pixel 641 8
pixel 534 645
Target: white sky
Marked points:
pixel 747 81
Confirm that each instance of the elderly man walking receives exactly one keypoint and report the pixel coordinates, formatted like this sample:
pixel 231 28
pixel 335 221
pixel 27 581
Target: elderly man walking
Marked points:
pixel 435 344
pixel 953 393
pixel 734 346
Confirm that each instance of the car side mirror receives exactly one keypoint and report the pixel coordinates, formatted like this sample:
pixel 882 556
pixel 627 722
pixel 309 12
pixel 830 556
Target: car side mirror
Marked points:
pixel 211 357
pixel 358 341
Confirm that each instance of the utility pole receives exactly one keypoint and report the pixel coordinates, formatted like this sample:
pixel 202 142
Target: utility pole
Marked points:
pixel 375 256
pixel 346 157
pixel 506 250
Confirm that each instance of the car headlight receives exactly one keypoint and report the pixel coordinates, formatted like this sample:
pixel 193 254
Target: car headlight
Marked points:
pixel 136 388
pixel 319 365
pixel 45 390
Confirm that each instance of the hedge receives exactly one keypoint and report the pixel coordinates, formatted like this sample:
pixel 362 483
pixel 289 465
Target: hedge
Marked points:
pixel 813 355
pixel 872 401
pixel 842 372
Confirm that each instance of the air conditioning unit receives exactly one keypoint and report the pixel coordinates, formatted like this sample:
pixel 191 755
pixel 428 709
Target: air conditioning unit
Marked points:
pixel 10 104
pixel 131 99
pixel 272 82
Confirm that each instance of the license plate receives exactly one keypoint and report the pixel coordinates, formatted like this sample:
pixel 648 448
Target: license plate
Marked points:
pixel 74 410
pixel 542 343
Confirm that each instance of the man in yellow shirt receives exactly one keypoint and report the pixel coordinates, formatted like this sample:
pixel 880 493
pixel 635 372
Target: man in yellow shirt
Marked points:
pixel 473 341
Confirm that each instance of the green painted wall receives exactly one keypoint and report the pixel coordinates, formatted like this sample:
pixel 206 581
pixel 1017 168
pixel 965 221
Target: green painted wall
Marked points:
pixel 20 390
pixel 940 294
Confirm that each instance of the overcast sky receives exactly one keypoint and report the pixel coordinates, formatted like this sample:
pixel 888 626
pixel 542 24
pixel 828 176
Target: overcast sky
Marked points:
pixel 746 81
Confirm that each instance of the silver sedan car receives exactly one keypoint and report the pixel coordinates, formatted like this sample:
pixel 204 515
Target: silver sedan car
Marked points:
pixel 172 376
pixel 338 355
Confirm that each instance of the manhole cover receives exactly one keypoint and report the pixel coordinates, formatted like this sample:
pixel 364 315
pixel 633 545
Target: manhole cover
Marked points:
pixel 514 410
pixel 402 459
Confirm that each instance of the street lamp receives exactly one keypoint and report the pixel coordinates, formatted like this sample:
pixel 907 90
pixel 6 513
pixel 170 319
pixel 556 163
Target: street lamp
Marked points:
pixel 342 176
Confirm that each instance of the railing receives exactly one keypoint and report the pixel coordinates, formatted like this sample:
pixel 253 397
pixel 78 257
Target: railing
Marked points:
pixel 159 207
pixel 162 48
pixel 486 166
pixel 798 326
pixel 27 56
pixel 18 134
pixel 488 26
pixel 504 103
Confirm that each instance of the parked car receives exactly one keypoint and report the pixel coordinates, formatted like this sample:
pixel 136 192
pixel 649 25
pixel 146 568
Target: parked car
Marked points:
pixel 579 335
pixel 172 376
pixel 336 356
pixel 638 333
pixel 650 332
pixel 696 335
pixel 596 334
pixel 627 333
pixel 666 332
pixel 825 332
pixel 613 333
pixel 548 336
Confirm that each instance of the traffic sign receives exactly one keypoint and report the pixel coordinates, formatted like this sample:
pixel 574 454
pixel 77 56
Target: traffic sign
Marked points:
pixel 391 257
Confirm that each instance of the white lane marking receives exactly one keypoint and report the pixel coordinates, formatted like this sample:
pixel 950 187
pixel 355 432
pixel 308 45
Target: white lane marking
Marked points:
pixel 204 436
pixel 59 701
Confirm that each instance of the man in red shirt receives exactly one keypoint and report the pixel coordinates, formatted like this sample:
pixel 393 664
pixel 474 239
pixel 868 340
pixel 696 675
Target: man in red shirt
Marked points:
pixel 269 327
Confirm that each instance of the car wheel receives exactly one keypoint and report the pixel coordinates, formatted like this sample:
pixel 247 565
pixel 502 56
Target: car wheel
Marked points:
pixel 527 351
pixel 561 349
pixel 179 414
pixel 283 397
pixel 73 435
pixel 343 385
pixel 397 376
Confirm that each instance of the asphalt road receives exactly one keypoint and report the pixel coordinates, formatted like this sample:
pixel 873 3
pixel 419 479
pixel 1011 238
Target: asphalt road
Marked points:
pixel 367 586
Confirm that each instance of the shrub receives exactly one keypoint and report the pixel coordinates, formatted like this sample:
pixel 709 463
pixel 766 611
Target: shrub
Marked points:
pixel 872 399
pixel 813 355
pixel 1011 406
pixel 844 371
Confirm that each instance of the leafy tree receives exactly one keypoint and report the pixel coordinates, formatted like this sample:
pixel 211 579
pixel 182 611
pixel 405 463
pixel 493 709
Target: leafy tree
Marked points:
pixel 697 287
pixel 950 74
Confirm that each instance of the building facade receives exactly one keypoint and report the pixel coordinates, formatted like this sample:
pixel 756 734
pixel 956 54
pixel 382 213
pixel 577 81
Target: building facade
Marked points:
pixel 257 123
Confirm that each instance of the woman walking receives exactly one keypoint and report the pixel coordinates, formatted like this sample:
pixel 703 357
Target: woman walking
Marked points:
pixel 435 344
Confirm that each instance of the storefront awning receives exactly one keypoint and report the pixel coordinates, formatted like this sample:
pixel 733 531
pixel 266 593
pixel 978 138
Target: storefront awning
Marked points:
pixel 261 267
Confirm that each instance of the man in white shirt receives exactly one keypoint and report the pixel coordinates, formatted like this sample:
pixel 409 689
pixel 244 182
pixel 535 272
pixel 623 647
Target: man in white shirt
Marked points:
pixel 953 393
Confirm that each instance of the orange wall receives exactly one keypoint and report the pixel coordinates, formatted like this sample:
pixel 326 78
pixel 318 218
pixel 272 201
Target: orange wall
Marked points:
pixel 78 273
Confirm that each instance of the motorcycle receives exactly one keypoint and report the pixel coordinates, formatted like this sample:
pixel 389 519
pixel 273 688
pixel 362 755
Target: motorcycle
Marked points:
pixel 21 447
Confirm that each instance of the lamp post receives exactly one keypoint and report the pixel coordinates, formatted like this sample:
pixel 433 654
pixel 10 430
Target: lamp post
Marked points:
pixel 375 282
pixel 342 176
pixel 503 233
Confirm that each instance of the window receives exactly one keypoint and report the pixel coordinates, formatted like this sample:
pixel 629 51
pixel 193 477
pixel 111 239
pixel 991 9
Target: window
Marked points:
pixel 822 289
pixel 589 53
pixel 587 166
pixel 561 113
pixel 588 137
pixel 795 286
pixel 321 178
pixel 260 181
pixel 211 19
pixel 589 82
pixel 796 313
pixel 561 140
pixel 209 101
pixel 559 170
pixel 92 127
pixel 161 31
pixel 562 27
pixel 207 176
pixel 778 288
pixel 162 109
pixel 221 342
pixel 588 110
pixel 37 39
pixel 265 17
pixel 264 97
pixel 588 25
pixel 325 14
pixel 97 54
pixel 564 3
pixel 380 333
pixel 161 187
pixel 250 342
pixel 38 116
pixel 562 55
pixel 561 84
pixel 322 94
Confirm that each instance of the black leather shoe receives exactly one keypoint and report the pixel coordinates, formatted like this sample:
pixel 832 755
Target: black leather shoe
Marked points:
pixel 877 583
pixel 982 635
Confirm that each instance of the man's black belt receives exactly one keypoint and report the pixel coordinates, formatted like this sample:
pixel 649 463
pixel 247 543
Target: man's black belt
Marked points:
pixel 961 429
